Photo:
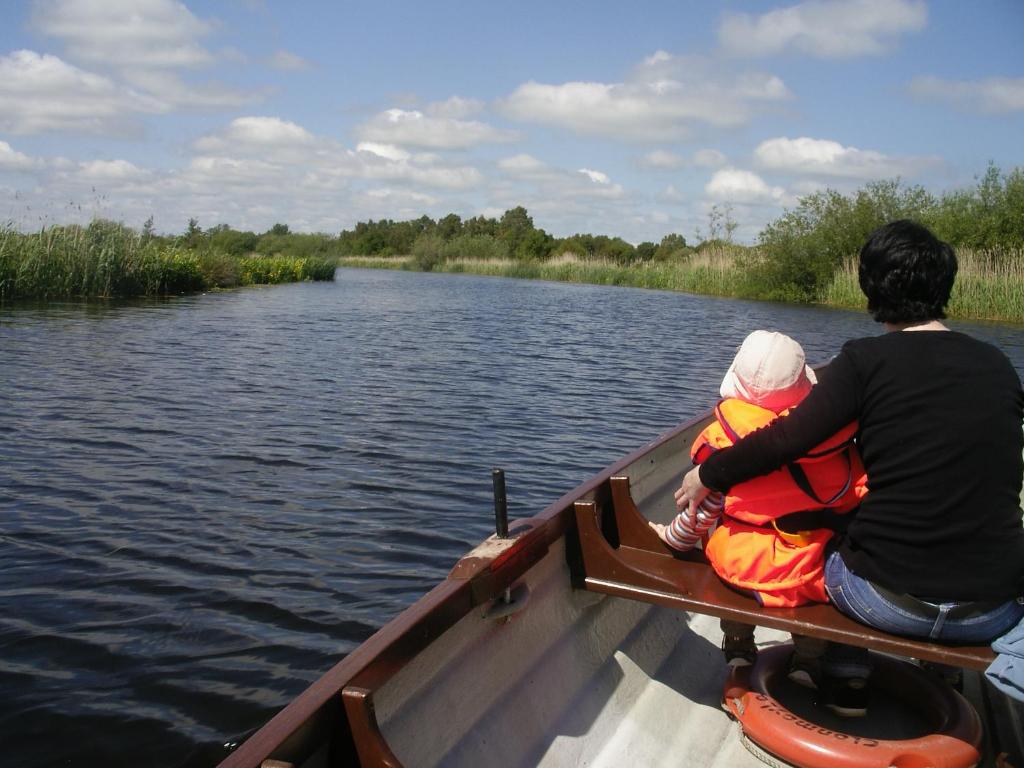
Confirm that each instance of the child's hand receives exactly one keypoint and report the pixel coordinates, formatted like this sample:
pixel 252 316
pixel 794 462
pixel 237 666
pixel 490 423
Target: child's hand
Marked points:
pixel 660 529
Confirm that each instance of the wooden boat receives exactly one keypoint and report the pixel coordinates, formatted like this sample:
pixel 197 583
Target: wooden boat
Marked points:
pixel 577 640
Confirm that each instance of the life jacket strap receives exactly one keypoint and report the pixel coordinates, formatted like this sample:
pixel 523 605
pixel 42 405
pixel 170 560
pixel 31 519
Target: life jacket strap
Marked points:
pixel 797 472
pixel 804 484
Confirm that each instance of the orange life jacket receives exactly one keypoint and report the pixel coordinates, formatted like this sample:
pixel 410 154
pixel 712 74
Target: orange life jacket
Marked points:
pixel 748 550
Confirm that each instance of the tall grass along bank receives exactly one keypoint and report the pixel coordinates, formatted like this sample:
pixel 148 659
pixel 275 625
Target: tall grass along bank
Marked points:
pixel 989 285
pixel 108 260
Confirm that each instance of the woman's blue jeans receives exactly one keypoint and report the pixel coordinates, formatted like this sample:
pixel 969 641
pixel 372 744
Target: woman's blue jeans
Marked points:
pixel 858 598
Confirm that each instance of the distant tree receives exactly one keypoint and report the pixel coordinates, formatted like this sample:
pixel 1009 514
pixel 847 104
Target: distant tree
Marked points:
pixel 147 230
pixel 671 247
pixel 193 234
pixel 577 245
pixel 370 238
pixel 399 237
pixel 279 229
pixel 721 224
pixel 515 219
pixel 424 224
pixel 226 240
pixel 480 225
pixel 615 249
pixel 450 226
pixel 535 245
pixel 645 251
pixel 514 226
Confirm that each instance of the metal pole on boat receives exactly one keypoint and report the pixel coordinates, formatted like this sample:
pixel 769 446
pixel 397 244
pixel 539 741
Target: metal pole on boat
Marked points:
pixel 500 503
pixel 501 515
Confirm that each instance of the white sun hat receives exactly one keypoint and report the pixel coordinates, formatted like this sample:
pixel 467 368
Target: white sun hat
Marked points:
pixel 769 370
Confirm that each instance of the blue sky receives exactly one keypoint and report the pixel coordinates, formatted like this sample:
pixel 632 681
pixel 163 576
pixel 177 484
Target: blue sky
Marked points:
pixel 602 117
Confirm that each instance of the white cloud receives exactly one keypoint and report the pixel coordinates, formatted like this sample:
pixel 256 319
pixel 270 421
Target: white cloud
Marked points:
pixel 388 151
pixel 125 34
pixel 523 166
pixel 288 61
pixel 144 43
pixel 664 99
pixel 823 28
pixel 414 128
pixel 550 183
pixel 709 158
pixel 664 160
pixel 455 107
pixel 256 134
pixel 40 92
pixel 172 92
pixel 418 169
pixel 110 170
pixel 284 147
pixel 217 172
pixel 402 196
pixel 671 195
pixel 995 95
pixel 735 185
pixel 12 160
pixel 661 159
pixel 595 176
pixel 821 157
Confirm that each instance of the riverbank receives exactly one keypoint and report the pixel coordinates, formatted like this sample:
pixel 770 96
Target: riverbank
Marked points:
pixel 107 260
pixel 989 286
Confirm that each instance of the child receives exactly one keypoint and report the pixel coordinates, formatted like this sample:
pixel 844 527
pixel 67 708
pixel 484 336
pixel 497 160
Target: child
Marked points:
pixel 771 537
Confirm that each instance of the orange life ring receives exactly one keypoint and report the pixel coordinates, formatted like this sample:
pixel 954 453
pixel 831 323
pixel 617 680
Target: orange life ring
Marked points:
pixel 954 742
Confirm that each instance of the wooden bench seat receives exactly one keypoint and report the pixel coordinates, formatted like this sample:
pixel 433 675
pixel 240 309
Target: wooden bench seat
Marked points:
pixel 638 565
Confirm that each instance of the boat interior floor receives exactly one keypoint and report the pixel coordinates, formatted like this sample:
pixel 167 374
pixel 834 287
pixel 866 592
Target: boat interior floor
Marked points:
pixel 672 715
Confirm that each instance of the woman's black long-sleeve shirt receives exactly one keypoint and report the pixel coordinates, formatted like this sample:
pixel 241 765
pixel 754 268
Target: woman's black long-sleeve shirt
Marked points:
pixel 939 418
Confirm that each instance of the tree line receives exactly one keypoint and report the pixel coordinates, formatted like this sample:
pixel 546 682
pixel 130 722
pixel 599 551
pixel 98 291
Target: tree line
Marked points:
pixel 513 236
pixel 794 256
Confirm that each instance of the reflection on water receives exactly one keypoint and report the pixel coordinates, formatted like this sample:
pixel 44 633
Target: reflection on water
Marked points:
pixel 206 502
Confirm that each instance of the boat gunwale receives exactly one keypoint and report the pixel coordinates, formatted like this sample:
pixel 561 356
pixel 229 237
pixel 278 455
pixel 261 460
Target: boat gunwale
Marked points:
pixel 420 624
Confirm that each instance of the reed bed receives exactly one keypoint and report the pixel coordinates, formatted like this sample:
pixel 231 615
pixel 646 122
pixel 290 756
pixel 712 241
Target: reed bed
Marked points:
pixel 108 260
pixel 376 262
pixel 989 286
pixel 714 272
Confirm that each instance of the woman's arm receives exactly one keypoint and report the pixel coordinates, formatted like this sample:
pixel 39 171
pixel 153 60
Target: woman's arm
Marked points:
pixel 832 404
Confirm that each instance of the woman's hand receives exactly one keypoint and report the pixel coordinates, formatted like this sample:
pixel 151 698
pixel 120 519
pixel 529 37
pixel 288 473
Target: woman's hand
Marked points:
pixel 691 493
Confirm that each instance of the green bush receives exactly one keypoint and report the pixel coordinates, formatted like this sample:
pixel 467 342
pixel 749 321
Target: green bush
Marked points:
pixel 803 249
pixel 475 247
pixel 322 269
pixel 428 251
pixel 989 216
pixel 219 269
pixel 180 272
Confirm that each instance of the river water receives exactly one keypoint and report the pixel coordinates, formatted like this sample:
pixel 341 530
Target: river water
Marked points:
pixel 206 502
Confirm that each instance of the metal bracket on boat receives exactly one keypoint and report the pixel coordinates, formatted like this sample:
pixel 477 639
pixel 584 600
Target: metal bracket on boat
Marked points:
pixel 498 562
pixel 513 601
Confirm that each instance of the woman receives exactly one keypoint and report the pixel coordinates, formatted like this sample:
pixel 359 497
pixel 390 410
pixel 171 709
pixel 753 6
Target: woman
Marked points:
pixel 936 550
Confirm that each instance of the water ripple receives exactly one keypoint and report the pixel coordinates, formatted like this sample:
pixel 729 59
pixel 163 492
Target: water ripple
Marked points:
pixel 206 502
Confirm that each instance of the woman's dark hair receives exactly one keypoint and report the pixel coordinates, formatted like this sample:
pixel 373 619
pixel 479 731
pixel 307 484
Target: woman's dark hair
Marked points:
pixel 906 272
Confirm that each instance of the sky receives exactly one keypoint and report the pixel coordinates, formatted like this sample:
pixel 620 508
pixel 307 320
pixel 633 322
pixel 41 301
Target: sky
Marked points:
pixel 625 119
